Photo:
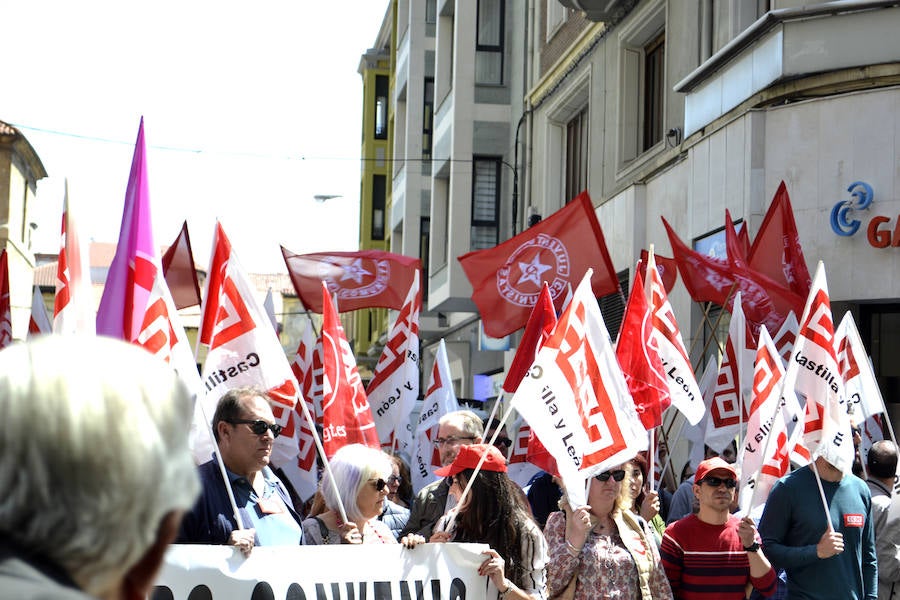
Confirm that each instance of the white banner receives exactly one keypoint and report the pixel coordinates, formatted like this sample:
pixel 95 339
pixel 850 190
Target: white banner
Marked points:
pixel 371 571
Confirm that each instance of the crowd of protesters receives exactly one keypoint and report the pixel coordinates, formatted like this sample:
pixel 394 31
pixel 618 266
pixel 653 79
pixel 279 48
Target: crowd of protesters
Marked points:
pixel 822 534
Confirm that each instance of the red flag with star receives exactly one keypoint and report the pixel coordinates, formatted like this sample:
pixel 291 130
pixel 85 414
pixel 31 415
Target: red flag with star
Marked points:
pixel 507 279
pixel 362 279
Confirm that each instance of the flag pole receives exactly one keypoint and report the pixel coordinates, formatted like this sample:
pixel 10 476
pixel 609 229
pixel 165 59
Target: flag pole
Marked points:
pixel 822 495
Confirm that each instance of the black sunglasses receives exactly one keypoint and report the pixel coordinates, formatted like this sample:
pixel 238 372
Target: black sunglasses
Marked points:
pixel 618 475
pixel 505 442
pixel 394 479
pixel 259 426
pixel 717 481
pixel 380 484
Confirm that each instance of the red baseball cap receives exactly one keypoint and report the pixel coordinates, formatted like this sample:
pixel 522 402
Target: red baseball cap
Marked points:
pixel 468 458
pixel 713 464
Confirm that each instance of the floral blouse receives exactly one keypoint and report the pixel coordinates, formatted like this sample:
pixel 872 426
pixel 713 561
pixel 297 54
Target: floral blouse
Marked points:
pixel 605 568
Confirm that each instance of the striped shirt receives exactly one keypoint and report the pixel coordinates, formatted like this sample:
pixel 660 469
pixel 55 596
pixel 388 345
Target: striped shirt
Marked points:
pixel 706 561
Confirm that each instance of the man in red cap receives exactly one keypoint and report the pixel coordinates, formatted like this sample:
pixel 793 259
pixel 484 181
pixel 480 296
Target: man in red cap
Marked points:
pixel 714 554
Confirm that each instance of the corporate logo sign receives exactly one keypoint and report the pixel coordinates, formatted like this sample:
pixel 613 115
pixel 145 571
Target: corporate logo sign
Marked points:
pixel 845 222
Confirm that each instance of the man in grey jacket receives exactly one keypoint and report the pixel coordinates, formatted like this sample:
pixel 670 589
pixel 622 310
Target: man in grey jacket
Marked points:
pixel 882 465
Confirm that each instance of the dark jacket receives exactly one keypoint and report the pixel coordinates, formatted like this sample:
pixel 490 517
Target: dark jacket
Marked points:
pixel 427 508
pixel 211 521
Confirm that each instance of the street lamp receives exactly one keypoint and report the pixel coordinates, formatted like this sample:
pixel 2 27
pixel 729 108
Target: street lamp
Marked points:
pixel 323 197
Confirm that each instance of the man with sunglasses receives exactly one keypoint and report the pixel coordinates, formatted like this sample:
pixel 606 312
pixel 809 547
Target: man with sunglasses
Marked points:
pixel 713 554
pixel 244 429
pixel 455 430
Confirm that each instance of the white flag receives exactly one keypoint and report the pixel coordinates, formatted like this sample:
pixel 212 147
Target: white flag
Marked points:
pixel 243 348
pixel 576 400
pixel 73 307
pixel 665 338
pixel 860 385
pixel 394 388
pixel 39 323
pixel 733 384
pixel 814 373
pixel 764 454
pixel 440 399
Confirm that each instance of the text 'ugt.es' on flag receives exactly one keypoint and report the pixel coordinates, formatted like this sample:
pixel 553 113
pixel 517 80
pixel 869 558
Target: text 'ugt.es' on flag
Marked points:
pixel 507 279
pixel 361 279
pixel 576 400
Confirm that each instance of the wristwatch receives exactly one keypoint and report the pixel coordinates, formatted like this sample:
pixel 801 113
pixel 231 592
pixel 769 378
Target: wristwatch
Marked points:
pixel 752 547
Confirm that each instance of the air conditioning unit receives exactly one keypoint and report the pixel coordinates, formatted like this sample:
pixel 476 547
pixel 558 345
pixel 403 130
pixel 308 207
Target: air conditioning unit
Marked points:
pixel 601 10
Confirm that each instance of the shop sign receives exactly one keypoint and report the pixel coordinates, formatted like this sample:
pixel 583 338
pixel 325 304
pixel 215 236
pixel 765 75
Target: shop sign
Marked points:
pixel 879 231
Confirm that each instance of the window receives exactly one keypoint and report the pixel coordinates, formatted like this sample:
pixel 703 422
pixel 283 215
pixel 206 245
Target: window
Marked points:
pixel 381 106
pixel 654 82
pixel 428 118
pixel 424 249
pixel 612 306
pixel 431 11
pixel 576 154
pixel 378 198
pixel 485 203
pixel 489 42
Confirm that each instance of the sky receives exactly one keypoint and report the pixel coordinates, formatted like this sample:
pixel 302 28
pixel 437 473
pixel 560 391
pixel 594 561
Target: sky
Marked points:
pixel 250 110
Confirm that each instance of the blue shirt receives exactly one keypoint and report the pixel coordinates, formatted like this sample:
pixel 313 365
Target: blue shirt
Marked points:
pixel 267 514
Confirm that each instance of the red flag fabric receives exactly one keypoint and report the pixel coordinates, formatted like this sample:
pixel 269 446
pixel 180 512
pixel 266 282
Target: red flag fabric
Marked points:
pixel 641 365
pixel 6 337
pixel 363 279
pixel 179 271
pixel 73 306
pixel 346 416
pixel 539 327
pixel 507 279
pixel 776 250
pixel 667 267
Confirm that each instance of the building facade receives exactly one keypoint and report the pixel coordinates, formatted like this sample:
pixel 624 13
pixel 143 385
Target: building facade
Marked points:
pixel 659 108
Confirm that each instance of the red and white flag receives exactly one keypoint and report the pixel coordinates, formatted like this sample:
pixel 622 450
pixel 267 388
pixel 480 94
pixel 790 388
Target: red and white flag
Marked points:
pixel 814 373
pixel 576 400
pixel 733 384
pixel 346 415
pixel 73 307
pixel 537 330
pixel 764 454
pixel 666 341
pixel 786 336
pixel 302 472
pixel 6 337
pixel 440 399
pixel 860 386
pixel 39 324
pixel 776 250
pixel 519 469
pixel 640 364
pixel 507 279
pixel 667 267
pixel 360 279
pixel 394 388
pixel 243 348
pixel 696 434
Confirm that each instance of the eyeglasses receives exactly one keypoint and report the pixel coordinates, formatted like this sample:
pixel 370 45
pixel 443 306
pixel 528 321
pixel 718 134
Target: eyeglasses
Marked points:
pixel 717 481
pixel 259 426
pixel 394 479
pixel 618 475
pixel 379 484
pixel 505 442
pixel 451 440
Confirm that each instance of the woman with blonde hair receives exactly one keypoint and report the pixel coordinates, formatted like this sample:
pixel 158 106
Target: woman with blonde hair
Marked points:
pixel 360 484
pixel 604 550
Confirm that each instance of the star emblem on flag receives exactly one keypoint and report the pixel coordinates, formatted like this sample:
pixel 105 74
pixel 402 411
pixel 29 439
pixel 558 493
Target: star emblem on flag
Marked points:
pixel 355 271
pixel 532 271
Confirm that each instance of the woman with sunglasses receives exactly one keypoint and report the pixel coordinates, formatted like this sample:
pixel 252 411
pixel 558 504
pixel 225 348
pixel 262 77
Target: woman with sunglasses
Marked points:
pixel 604 550
pixel 494 512
pixel 360 484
